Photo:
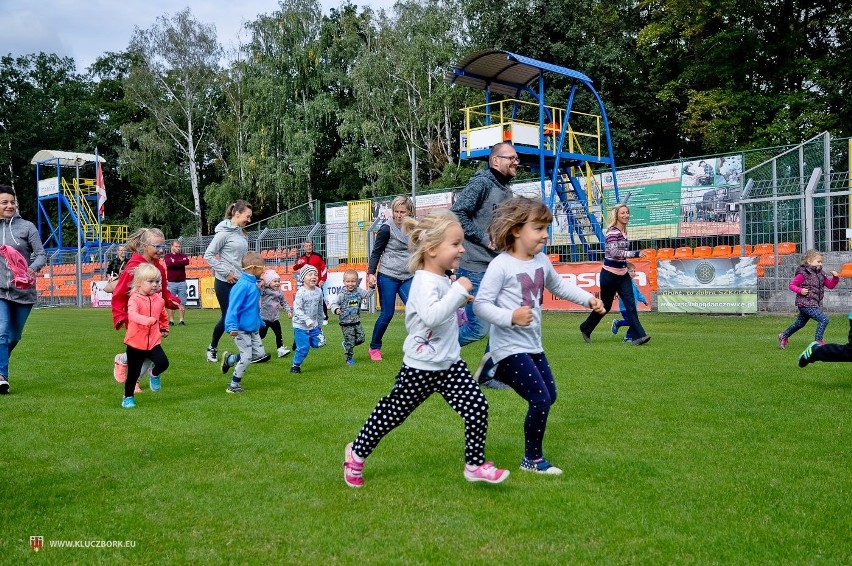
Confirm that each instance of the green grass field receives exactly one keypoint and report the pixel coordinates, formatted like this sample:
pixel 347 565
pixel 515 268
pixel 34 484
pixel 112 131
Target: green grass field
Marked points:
pixel 708 445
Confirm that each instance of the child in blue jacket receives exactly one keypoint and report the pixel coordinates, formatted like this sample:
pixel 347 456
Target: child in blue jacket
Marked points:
pixel 243 322
pixel 640 298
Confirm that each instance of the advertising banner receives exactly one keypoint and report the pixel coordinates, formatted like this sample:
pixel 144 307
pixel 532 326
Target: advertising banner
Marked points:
pixel 653 194
pixel 587 277
pixel 711 285
pixel 98 296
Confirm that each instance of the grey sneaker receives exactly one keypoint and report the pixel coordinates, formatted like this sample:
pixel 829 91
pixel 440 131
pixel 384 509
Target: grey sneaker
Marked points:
pixel 211 354
pixel 642 340
pixel 494 384
pixel 235 389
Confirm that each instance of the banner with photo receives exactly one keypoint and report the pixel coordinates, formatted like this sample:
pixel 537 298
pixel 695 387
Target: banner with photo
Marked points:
pixel 709 190
pixel 711 285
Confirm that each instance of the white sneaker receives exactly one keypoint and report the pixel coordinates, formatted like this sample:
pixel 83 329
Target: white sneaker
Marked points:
pixel 282 351
pixel 211 354
pixel 325 322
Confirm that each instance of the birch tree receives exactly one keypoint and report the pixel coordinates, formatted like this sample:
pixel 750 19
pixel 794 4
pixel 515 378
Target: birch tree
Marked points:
pixel 175 81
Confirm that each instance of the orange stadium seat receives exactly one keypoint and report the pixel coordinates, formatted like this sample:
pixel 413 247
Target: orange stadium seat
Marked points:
pixel 683 253
pixel 702 251
pixel 649 253
pixel 786 248
pixel 762 249
pixel 846 270
pixel 665 253
pixel 722 251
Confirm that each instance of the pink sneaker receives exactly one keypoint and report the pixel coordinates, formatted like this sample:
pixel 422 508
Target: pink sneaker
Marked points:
pixel 486 472
pixel 782 341
pixel 352 468
pixel 375 355
pixel 119 369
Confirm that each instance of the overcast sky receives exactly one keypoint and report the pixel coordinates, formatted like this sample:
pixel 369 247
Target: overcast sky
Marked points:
pixel 86 29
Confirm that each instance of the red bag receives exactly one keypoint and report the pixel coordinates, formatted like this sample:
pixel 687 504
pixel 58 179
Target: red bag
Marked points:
pixel 18 266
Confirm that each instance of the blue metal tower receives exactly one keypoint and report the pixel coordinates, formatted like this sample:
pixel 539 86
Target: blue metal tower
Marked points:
pixel 561 144
pixel 67 198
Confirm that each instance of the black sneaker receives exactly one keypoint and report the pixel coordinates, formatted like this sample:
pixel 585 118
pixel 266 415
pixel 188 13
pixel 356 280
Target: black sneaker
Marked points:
pixel 171 323
pixel 225 365
pixel 211 354
pixel 296 369
pixel 261 359
pixel 182 323
pixel 235 389
pixel 4 386
pixel 642 340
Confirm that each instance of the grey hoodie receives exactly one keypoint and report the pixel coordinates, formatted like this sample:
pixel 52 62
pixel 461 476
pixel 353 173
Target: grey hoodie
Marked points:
pixel 22 235
pixel 230 244
pixel 474 207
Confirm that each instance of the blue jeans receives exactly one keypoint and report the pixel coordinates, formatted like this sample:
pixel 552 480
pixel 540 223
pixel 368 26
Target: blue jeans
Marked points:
pixel 389 288
pixel 610 285
pixel 475 329
pixel 13 317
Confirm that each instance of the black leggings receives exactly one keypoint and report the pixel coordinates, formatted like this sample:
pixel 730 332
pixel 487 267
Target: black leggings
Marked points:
pixel 275 325
pixel 223 295
pixel 135 359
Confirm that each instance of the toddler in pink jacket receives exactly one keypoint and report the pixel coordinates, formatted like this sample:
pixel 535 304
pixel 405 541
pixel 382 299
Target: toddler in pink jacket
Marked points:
pixel 147 325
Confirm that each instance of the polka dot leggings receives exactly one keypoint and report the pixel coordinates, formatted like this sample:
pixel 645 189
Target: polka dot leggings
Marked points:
pixel 412 387
pixel 530 376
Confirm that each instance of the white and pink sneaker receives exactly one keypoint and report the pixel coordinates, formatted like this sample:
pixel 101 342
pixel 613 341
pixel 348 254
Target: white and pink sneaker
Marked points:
pixel 352 468
pixel 119 369
pixel 486 472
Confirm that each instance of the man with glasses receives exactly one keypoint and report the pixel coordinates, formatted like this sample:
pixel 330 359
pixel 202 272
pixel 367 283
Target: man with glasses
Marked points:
pixel 475 207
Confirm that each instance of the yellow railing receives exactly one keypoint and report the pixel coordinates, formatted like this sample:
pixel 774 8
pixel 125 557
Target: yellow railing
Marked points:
pixel 75 195
pixel 499 114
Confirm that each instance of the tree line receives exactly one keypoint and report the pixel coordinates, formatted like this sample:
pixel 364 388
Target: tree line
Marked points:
pixel 345 105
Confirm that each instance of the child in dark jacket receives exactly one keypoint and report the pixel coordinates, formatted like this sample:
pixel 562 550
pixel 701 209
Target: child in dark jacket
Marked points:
pixel 243 322
pixel 816 352
pixel 809 284
pixel 347 304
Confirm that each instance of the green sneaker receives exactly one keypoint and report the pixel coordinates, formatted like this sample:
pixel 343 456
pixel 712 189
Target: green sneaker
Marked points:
pixel 805 357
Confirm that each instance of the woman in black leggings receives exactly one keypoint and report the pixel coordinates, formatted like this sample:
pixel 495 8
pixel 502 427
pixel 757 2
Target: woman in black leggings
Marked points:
pixel 225 255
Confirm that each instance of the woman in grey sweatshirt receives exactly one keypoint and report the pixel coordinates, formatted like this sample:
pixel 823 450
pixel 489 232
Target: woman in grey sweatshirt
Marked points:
pixel 17 296
pixel 225 255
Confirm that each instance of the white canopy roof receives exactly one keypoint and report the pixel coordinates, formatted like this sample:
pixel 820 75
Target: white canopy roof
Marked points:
pixel 66 158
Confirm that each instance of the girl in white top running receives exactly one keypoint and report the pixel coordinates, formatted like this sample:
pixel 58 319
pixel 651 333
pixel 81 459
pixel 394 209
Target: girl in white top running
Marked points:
pixel 432 355
pixel 510 298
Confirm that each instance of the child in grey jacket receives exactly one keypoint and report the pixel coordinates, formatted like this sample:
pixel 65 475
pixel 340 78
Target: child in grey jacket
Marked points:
pixel 272 301
pixel 307 317
pixel 347 304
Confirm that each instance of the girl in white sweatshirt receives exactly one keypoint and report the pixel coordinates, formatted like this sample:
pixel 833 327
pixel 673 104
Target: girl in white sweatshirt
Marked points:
pixel 432 356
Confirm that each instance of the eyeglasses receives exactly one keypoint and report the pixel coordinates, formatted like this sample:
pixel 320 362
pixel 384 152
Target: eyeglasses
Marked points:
pixel 512 158
pixel 253 267
pixel 158 247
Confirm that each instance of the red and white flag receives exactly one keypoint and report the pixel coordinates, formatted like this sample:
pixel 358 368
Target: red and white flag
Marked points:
pixel 101 189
